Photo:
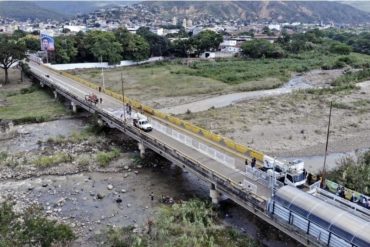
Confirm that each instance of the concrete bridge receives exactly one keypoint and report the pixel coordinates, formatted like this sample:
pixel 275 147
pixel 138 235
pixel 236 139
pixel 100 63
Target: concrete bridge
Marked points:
pixel 221 167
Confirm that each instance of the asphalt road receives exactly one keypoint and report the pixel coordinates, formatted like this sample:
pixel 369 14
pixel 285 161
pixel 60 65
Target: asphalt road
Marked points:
pixel 115 107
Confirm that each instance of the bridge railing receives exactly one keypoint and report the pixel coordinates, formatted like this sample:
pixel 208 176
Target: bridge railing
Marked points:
pixel 209 135
pixel 237 189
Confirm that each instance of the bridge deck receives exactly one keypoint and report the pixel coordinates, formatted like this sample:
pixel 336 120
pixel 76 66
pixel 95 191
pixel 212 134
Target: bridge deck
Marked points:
pixel 112 105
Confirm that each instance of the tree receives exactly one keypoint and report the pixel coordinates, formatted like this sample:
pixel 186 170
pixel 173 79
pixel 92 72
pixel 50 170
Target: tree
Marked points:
pixel 11 51
pixel 266 30
pixel 17 34
pixel 31 42
pixel 83 53
pixel 65 49
pixel 134 47
pixel 261 48
pixel 104 45
pixel 207 41
pixel 183 48
pixel 340 48
pixel 159 45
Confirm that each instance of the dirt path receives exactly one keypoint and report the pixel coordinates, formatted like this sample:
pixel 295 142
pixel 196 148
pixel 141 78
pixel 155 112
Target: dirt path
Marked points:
pixel 312 79
pixel 294 125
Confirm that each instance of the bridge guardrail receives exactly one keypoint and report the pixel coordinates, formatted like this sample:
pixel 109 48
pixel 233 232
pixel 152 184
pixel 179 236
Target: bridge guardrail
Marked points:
pixel 237 188
pixel 251 201
pixel 224 141
pixel 262 177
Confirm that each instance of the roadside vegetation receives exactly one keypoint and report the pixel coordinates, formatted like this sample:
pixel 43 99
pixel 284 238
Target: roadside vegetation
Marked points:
pixel 262 65
pixel 353 173
pixel 31 228
pixel 26 103
pixel 191 223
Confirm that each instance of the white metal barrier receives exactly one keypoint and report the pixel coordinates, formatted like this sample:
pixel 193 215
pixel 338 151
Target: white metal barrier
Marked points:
pixel 195 144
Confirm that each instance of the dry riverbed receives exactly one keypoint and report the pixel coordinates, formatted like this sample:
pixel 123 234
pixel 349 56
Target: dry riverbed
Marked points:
pixel 90 197
pixel 295 124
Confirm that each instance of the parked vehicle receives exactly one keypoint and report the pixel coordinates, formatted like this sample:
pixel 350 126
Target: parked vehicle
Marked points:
pixel 92 98
pixel 140 121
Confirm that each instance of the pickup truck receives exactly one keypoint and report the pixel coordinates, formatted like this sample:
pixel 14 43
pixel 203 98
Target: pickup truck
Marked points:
pixel 140 121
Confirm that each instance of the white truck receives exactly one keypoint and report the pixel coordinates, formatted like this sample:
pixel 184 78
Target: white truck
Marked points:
pixel 141 121
pixel 291 173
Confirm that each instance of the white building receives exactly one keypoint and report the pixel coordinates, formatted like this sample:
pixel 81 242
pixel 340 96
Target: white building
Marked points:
pixel 174 21
pixel 274 26
pixel 184 23
pixel 189 23
pixel 75 29
pixel 230 46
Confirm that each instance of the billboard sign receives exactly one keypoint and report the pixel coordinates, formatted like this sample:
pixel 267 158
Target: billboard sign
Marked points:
pixel 47 42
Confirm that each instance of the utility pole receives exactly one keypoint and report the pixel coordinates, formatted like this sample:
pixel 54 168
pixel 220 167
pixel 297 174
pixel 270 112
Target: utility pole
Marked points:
pixel 123 99
pixel 326 149
pixel 273 179
pixel 102 71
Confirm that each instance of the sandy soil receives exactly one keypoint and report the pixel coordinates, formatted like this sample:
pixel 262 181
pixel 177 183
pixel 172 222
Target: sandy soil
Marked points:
pixel 312 79
pixel 295 124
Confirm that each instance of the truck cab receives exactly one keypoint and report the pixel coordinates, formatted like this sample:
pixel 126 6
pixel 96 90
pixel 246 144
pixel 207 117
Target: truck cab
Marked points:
pixel 140 121
pixel 290 173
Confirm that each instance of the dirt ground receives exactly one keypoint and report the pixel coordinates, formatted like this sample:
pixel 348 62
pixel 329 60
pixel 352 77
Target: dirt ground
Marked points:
pixel 14 77
pixel 285 123
pixel 163 86
pixel 295 124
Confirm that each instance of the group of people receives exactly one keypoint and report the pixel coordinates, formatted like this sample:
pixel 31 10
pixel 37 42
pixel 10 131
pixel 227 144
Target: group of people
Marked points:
pixel 253 163
pixel 361 199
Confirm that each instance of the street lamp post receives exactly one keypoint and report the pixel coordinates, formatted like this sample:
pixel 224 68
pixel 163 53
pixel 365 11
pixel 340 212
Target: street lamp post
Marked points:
pixel 123 99
pixel 102 71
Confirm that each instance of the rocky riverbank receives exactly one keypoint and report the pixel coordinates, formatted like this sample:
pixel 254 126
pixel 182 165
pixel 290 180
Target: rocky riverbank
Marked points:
pixel 95 180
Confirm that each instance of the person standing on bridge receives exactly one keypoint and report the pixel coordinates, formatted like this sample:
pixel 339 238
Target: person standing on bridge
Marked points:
pixel 246 165
pixel 253 163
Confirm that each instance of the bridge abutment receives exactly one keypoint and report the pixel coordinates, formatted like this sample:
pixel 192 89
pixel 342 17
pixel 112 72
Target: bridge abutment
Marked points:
pixel 74 106
pixel 141 149
pixel 214 194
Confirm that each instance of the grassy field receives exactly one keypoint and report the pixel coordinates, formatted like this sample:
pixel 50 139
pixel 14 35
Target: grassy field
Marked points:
pixel 23 103
pixel 174 79
pixel 36 106
pixel 237 71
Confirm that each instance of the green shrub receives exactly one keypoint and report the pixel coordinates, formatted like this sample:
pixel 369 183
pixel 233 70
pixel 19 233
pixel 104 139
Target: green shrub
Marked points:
pixel 47 161
pixel 3 156
pixel 352 77
pixel 192 223
pixel 31 119
pixel 31 228
pixel 83 161
pixel 104 158
pixel 353 175
pixel 28 90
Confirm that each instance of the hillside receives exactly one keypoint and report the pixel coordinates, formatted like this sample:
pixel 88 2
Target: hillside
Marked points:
pixel 71 8
pixel 362 5
pixel 291 11
pixel 22 10
pixel 25 10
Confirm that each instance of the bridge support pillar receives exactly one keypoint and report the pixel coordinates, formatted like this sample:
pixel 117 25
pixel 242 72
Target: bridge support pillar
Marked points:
pixel 74 106
pixel 141 149
pixel 215 196
pixel 55 94
pixel 100 122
